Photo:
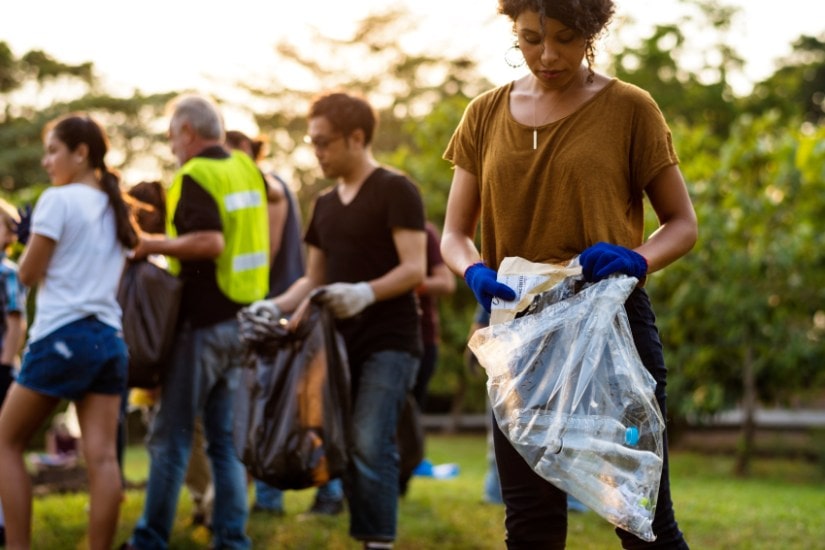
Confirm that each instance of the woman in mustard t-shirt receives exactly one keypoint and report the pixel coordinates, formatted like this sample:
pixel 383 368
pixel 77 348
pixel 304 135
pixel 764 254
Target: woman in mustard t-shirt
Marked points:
pixel 556 165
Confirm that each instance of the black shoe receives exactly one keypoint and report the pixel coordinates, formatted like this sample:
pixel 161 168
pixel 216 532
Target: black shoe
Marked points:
pixel 327 507
pixel 2 536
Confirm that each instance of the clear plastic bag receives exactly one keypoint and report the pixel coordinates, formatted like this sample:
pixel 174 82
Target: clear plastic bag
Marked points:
pixel 570 392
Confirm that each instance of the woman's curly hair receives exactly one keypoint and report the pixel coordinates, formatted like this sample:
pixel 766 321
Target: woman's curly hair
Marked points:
pixel 588 17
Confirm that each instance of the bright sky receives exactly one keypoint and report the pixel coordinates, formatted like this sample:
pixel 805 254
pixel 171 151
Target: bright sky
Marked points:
pixel 166 45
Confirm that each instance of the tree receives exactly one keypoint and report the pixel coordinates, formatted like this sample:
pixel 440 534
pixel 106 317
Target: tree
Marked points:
pixel 797 88
pixel 743 316
pixel 36 88
pixel 695 94
pixel 739 315
pixel 403 87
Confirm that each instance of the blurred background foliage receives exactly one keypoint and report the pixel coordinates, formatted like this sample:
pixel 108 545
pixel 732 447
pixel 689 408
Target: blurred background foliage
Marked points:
pixel 742 317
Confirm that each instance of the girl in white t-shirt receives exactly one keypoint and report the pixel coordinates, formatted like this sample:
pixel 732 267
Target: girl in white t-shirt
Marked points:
pixel 81 231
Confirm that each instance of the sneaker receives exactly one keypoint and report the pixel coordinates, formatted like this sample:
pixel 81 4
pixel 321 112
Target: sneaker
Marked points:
pixel 424 469
pixel 445 471
pixel 377 545
pixel 327 507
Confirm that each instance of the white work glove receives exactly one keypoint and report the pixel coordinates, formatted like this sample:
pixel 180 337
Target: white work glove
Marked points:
pixel 255 322
pixel 264 308
pixel 347 299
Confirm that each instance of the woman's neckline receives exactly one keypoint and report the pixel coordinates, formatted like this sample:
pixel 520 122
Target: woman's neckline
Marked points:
pixel 534 125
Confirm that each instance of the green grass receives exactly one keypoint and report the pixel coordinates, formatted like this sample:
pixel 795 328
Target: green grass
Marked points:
pixel 781 507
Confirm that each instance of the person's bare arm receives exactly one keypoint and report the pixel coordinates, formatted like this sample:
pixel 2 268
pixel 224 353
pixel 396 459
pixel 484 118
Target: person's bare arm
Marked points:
pixel 277 220
pixel 13 338
pixel 412 265
pixel 463 210
pixel 678 229
pixel 439 283
pixel 35 259
pixel 277 206
pixel 197 245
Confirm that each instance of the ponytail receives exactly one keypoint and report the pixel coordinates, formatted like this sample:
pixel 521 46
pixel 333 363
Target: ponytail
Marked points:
pixel 124 221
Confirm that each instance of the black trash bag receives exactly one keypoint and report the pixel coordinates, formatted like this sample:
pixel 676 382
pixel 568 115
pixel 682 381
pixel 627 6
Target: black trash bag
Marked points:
pixel 292 410
pixel 150 299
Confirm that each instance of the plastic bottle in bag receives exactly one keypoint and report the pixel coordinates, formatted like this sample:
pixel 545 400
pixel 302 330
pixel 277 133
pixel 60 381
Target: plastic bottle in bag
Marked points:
pixel 547 430
pixel 604 429
pixel 610 475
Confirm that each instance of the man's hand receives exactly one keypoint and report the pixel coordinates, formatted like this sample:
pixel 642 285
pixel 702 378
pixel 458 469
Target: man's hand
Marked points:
pixel 347 299
pixel 255 321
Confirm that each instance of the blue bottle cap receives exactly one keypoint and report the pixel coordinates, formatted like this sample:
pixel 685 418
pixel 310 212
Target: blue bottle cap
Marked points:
pixel 631 436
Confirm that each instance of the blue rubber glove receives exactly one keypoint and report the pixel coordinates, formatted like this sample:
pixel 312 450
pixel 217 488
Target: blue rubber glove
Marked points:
pixel 25 224
pixel 604 259
pixel 482 280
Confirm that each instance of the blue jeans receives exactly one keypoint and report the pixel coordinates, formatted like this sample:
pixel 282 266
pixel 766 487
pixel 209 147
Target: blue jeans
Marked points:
pixel 371 482
pixel 536 514
pixel 272 498
pixel 268 497
pixel 203 374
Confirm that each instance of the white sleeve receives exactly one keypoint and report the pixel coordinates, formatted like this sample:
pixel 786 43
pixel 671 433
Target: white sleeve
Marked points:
pixel 49 214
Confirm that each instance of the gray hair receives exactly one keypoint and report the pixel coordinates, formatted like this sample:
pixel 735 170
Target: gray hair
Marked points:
pixel 201 113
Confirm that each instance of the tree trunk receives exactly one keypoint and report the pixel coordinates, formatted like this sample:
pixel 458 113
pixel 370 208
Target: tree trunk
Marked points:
pixel 748 435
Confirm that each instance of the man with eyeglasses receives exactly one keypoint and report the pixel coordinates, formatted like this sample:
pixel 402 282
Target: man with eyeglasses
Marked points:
pixel 366 246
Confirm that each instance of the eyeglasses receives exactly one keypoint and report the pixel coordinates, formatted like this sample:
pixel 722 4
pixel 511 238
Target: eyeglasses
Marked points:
pixel 321 142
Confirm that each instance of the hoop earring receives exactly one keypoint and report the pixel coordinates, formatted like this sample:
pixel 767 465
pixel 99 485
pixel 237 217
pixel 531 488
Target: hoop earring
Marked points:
pixel 513 56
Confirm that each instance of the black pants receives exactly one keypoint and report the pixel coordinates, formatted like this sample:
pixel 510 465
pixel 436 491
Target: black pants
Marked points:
pixel 425 372
pixel 537 511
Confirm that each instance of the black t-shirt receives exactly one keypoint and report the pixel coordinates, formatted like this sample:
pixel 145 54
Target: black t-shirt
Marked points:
pixel 357 243
pixel 203 303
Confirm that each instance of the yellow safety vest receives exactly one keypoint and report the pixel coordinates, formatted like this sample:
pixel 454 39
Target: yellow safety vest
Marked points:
pixel 236 184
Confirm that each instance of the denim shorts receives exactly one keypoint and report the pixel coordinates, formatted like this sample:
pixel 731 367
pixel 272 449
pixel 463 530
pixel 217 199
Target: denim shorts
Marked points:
pixel 84 356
